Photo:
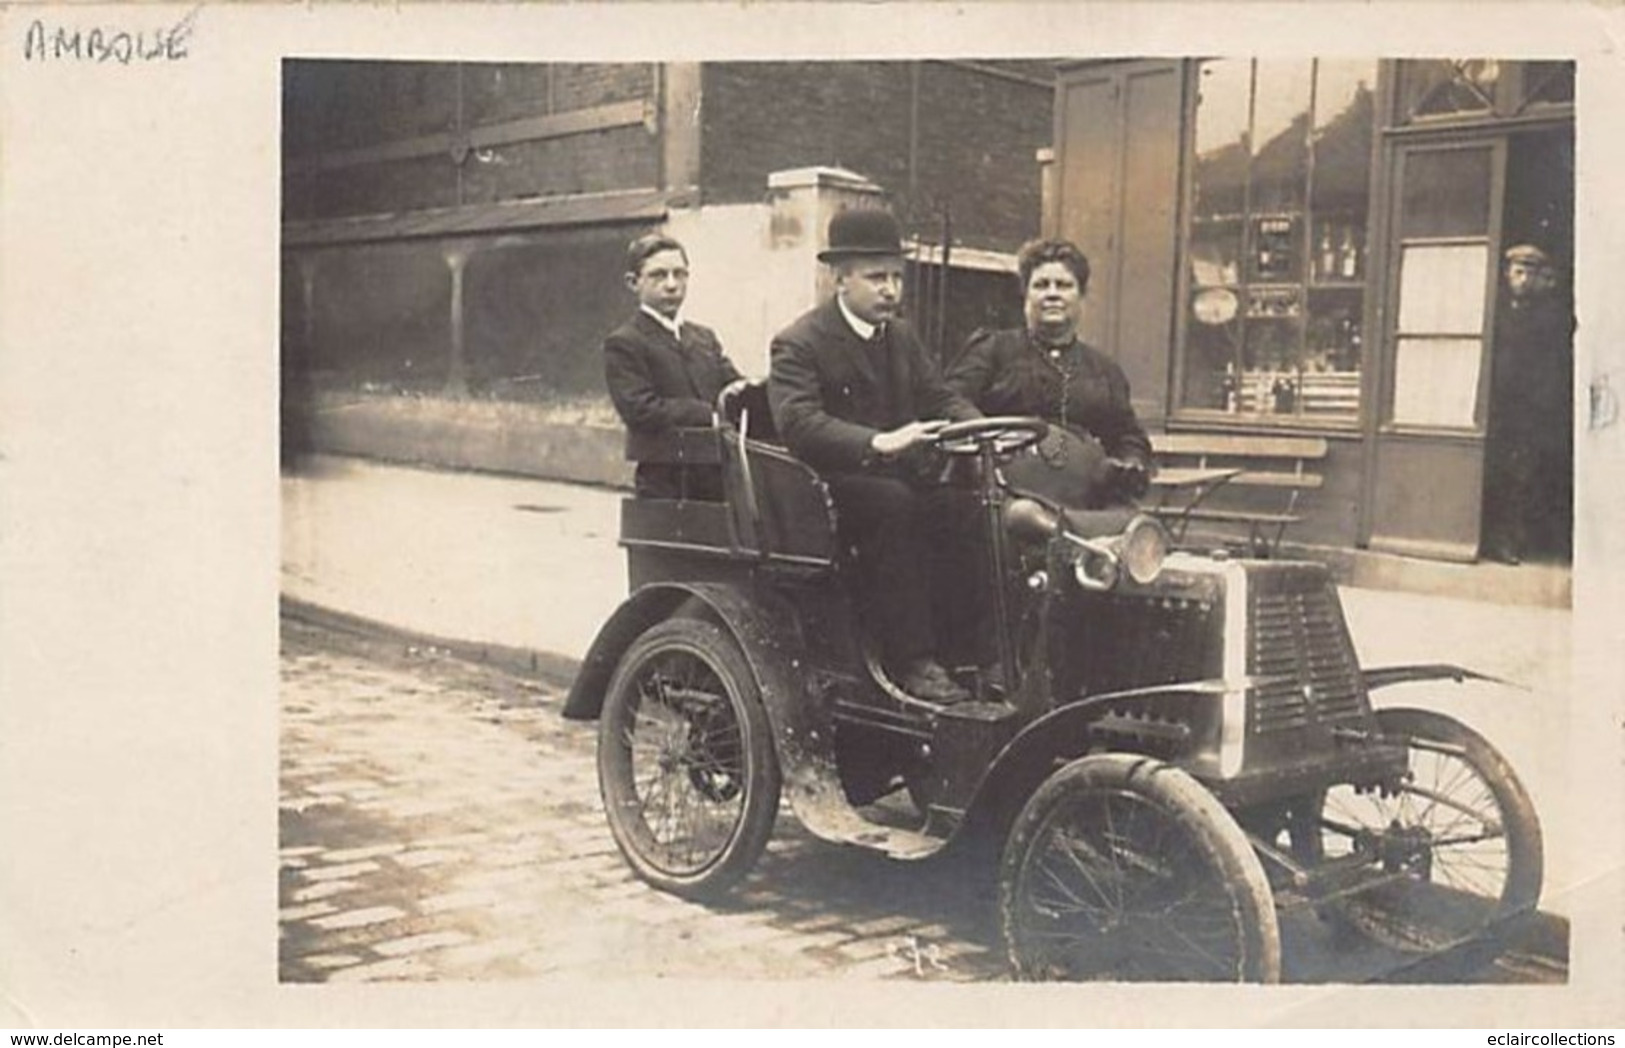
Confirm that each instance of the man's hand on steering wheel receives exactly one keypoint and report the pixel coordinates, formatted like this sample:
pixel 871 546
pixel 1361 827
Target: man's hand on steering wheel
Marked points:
pixel 1005 434
pixel 896 441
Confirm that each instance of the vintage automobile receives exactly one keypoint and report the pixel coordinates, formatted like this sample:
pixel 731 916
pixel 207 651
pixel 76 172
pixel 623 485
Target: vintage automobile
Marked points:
pixel 1182 746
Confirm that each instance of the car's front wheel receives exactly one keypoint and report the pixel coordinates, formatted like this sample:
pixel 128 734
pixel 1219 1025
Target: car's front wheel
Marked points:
pixel 1123 868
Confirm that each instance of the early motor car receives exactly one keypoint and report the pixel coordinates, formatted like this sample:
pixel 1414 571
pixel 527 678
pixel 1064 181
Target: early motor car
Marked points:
pixel 1180 744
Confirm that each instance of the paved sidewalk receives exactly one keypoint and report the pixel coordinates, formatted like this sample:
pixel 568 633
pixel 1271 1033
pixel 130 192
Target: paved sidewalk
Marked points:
pixel 534 565
pixel 461 556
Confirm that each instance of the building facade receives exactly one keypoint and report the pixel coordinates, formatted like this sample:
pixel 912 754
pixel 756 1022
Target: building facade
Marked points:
pixel 1312 247
pixel 453 233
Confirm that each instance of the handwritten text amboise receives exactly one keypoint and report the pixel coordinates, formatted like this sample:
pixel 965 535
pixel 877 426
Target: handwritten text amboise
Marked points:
pixel 62 43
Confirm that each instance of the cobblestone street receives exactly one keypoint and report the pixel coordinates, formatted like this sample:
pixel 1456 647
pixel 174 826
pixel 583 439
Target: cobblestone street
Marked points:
pixel 441 820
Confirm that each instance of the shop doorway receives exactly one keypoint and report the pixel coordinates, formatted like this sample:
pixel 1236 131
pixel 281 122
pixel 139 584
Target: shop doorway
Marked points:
pixel 1528 507
pixel 1472 428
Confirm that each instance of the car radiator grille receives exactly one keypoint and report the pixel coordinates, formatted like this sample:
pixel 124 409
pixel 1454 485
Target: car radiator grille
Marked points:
pixel 1298 632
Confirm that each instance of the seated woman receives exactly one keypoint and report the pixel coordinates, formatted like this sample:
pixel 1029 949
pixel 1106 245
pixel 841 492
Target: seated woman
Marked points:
pixel 664 371
pixel 1097 454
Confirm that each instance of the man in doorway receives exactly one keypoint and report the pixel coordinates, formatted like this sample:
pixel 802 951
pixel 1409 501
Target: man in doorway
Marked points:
pixel 857 397
pixel 664 371
pixel 1529 451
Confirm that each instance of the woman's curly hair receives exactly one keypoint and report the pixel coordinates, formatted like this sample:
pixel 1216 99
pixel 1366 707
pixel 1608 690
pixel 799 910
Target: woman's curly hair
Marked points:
pixel 1035 253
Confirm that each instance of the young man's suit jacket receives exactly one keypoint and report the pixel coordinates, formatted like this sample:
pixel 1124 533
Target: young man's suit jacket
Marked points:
pixel 659 383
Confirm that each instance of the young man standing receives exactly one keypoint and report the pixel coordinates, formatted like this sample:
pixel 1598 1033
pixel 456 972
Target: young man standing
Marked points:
pixel 664 371
pixel 1529 451
pixel 856 396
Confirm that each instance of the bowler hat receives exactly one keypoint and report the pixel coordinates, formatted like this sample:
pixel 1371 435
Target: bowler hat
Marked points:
pixel 1528 254
pixel 862 231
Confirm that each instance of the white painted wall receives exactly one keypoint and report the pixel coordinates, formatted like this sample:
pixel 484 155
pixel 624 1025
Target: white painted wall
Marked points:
pixel 754 267
pixel 734 287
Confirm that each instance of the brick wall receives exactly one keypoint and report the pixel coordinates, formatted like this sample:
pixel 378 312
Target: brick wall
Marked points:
pixel 975 137
pixel 330 108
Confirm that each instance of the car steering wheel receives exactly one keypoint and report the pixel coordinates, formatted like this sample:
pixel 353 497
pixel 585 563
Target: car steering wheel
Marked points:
pixel 1006 433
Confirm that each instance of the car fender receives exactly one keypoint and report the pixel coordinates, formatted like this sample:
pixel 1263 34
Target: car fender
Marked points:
pixel 649 605
pixel 1385 676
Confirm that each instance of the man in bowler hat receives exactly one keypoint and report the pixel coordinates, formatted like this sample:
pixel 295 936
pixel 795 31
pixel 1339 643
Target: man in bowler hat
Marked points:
pixel 856 396
pixel 663 370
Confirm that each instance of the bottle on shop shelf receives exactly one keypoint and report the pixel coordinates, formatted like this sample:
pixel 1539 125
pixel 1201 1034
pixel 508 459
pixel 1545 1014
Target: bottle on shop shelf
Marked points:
pixel 1283 395
pixel 1327 255
pixel 1231 388
pixel 1349 256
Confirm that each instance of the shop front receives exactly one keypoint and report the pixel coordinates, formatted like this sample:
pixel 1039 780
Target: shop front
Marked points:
pixel 1313 247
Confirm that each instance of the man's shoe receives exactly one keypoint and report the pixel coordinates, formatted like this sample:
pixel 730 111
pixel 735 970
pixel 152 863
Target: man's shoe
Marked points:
pixel 926 679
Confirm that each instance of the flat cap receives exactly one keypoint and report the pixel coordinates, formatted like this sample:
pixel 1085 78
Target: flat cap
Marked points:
pixel 1528 254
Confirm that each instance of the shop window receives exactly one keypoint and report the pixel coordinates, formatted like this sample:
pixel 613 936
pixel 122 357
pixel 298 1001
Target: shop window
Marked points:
pixel 1278 235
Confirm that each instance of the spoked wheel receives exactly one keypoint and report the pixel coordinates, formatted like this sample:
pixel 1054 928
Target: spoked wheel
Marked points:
pixel 1458 839
pixel 1123 868
pixel 685 764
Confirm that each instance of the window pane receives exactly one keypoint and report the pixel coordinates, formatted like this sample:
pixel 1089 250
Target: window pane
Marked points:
pixel 1436 381
pixel 1447 193
pixel 1330 384
pixel 1212 341
pixel 1221 172
pixel 1280 136
pixel 1549 82
pixel 1345 110
pixel 1270 378
pixel 1441 289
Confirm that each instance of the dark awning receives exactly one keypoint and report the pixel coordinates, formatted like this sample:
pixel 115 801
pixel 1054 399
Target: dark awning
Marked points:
pixel 641 205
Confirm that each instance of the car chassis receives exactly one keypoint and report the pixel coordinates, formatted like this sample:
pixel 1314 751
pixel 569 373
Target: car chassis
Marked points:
pixel 1182 743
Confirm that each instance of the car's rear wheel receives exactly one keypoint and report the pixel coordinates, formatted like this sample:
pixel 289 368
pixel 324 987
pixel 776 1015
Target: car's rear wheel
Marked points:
pixel 1124 868
pixel 1458 839
pixel 685 763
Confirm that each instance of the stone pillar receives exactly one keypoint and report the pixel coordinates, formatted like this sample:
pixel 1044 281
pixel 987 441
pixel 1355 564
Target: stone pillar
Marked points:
pixel 755 266
pixel 801 202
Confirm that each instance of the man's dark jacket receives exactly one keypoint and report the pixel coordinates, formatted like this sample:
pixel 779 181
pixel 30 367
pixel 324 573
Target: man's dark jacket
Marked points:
pixel 831 392
pixel 658 384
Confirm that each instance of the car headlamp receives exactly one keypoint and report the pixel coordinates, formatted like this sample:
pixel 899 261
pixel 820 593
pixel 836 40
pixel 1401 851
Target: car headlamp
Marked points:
pixel 1144 548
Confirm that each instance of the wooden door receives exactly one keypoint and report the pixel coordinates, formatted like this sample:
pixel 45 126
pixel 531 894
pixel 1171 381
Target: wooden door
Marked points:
pixel 1425 483
pixel 1117 129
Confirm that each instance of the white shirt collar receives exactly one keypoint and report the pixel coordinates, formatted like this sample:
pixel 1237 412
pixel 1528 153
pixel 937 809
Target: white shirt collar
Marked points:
pixel 674 326
pixel 863 328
